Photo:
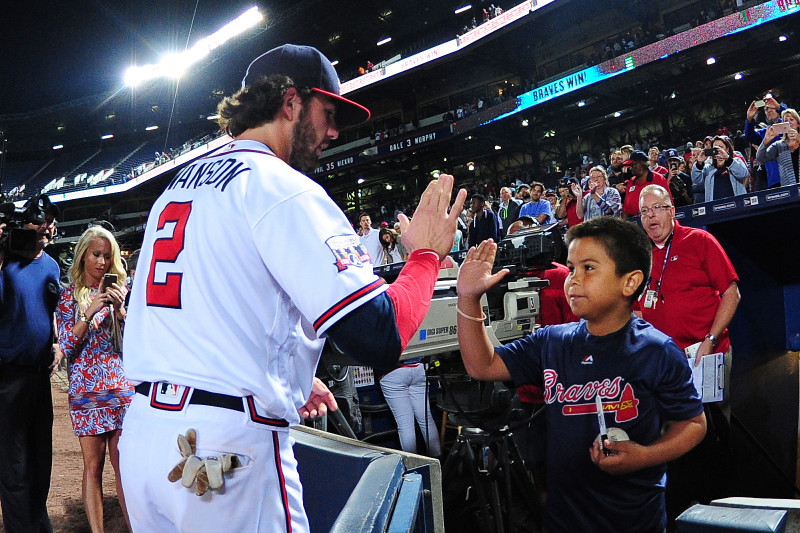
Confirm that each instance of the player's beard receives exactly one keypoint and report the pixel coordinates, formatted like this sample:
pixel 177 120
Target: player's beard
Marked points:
pixel 303 156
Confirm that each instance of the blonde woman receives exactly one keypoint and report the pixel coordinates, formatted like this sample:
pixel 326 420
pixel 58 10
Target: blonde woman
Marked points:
pixel 785 151
pixel 90 315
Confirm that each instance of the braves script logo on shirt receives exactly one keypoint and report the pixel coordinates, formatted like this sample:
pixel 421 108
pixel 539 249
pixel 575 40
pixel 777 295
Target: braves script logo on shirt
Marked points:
pixel 579 399
pixel 348 251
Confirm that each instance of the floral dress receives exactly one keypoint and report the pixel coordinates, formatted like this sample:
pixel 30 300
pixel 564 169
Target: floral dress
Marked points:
pixel 99 393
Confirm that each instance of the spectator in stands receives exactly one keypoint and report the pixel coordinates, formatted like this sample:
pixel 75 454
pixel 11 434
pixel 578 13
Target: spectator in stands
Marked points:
pixel 722 174
pixel 393 249
pixel 523 192
pixel 698 189
pixel 90 316
pixel 600 200
pixel 626 151
pixel 769 174
pixel 538 208
pixel 29 291
pixel 641 176
pixel 567 212
pixel 654 165
pixel 680 183
pixel 508 209
pixel 485 224
pixel 551 196
pixel 615 175
pixel 784 152
pixel 370 238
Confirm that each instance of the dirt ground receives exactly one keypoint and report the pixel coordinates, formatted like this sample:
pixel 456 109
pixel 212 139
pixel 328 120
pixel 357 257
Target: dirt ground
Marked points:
pixel 65 504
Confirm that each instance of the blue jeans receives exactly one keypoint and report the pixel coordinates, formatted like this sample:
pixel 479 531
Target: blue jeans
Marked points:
pixel 404 389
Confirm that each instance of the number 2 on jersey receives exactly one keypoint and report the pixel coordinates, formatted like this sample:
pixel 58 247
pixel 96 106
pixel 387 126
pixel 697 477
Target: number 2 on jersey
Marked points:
pixel 166 250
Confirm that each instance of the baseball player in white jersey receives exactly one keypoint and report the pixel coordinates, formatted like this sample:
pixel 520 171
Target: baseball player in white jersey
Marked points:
pixel 245 267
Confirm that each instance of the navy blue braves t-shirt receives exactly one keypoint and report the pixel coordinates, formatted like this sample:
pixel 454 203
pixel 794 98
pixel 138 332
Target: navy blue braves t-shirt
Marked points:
pixel 643 380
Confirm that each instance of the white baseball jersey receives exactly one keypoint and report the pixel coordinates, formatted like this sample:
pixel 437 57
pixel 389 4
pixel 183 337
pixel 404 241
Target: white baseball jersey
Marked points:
pixel 245 264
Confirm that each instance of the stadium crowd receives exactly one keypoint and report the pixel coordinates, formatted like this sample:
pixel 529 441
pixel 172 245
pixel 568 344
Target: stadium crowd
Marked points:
pixel 762 153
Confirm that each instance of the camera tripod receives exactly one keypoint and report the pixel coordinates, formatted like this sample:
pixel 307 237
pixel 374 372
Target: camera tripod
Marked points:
pixel 490 478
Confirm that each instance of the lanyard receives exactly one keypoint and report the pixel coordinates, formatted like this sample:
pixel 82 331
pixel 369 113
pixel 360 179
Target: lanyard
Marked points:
pixel 663 268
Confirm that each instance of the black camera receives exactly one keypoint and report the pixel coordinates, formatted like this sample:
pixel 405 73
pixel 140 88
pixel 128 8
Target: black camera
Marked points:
pixel 16 237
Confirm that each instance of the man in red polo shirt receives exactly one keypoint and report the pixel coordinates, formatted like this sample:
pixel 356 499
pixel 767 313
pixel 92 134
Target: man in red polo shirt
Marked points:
pixel 691 295
pixel 694 293
pixel 641 177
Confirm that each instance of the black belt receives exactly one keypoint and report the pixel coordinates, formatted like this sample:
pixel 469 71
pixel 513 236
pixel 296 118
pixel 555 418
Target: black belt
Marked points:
pixel 203 397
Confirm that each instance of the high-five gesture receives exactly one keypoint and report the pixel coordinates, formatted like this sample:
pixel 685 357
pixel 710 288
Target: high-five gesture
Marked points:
pixel 433 226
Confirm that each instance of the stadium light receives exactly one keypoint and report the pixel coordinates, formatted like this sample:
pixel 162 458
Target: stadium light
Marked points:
pixel 174 65
pixel 463 8
pixel 384 41
pixel 107 136
pixel 212 116
pixel 617 114
pixel 782 38
pixel 738 76
pixel 581 103
pixel 151 128
pixel 334 62
pixel 711 60
pixel 58 146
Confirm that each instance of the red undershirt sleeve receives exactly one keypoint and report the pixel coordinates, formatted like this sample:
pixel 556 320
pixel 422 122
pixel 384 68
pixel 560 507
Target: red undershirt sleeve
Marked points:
pixel 411 292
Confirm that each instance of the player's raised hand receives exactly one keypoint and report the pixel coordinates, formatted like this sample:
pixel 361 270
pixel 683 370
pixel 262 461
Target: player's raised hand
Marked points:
pixel 319 401
pixel 434 223
pixel 475 275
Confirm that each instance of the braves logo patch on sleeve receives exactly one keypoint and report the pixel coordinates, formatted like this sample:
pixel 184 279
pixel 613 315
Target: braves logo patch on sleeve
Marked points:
pixel 348 251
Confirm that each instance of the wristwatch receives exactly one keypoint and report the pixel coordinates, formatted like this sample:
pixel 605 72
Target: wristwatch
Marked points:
pixel 85 319
pixel 712 338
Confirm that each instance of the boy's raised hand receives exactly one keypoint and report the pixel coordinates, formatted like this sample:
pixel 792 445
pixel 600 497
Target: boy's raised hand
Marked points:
pixel 475 275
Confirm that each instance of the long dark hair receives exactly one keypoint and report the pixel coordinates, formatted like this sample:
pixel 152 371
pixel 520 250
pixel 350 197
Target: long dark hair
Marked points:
pixel 728 148
pixel 390 246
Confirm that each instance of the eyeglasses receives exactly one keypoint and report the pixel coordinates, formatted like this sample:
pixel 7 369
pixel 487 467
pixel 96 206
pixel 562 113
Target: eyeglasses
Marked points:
pixel 653 211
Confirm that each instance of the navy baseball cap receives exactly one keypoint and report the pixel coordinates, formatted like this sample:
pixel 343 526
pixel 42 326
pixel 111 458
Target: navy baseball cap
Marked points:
pixel 636 155
pixel 307 67
pixel 672 153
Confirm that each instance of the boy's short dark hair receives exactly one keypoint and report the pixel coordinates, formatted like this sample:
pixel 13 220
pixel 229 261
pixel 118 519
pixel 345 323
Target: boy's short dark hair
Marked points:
pixel 479 196
pixel 625 242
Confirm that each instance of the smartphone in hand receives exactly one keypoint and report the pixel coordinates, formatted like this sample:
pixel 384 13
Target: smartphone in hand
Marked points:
pixel 781 127
pixel 109 280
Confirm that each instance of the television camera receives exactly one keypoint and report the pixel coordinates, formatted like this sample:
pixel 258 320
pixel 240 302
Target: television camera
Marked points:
pixel 16 237
pixel 511 308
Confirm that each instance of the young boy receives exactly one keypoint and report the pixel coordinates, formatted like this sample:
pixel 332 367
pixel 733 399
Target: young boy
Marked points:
pixel 641 376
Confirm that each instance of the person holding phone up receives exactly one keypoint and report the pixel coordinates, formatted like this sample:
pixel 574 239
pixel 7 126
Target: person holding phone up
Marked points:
pixel 721 171
pixel 784 151
pixel 90 315
pixel 754 132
